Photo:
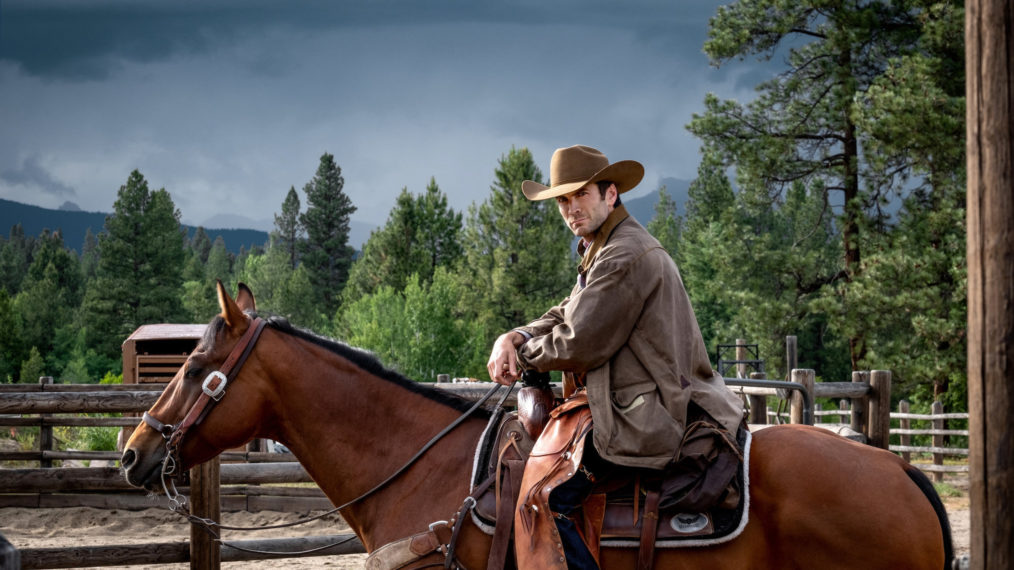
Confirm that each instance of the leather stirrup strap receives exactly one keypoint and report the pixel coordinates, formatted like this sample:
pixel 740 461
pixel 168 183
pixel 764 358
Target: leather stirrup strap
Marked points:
pixel 507 501
pixel 649 528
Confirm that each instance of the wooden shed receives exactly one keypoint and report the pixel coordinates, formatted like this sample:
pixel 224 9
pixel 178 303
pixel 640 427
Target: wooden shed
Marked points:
pixel 153 353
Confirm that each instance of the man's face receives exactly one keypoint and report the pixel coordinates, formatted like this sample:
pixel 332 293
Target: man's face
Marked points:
pixel 585 209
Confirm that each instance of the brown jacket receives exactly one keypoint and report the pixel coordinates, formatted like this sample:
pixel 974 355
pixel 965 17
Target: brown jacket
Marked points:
pixel 632 331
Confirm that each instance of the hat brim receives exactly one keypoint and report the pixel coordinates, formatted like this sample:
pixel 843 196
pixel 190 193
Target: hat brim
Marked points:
pixel 626 174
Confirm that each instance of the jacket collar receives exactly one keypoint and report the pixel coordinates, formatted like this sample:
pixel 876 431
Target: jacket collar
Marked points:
pixel 588 251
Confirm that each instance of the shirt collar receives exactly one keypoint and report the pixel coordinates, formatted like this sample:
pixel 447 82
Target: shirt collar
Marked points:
pixel 588 251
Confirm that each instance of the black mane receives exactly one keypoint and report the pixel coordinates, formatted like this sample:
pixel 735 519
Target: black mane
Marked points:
pixel 361 358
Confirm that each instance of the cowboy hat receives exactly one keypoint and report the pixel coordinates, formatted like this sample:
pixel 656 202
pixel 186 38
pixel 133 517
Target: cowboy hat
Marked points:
pixel 574 167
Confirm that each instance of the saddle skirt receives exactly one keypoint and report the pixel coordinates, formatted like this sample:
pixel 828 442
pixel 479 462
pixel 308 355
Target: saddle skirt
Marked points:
pixel 499 464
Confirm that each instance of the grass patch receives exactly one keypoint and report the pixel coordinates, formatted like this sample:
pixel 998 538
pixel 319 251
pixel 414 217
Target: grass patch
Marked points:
pixel 946 490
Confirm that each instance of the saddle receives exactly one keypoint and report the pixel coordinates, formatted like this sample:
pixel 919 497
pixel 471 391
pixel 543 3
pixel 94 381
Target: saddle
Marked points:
pixel 700 499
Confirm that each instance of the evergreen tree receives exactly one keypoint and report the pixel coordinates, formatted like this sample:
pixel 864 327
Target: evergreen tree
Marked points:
pixel 89 255
pixel 12 347
pixel 288 231
pixel 15 257
pixel 50 294
pixel 326 252
pixel 140 269
pixel 421 234
pixel 518 260
pixel 666 225
pixel 219 263
pixel 848 116
pixel 33 367
pixel 200 244
pixel 800 127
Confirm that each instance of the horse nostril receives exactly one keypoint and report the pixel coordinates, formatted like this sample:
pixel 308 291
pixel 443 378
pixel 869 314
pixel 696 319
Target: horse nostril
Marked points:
pixel 127 459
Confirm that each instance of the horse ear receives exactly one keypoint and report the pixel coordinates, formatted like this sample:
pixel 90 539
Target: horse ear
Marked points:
pixel 231 312
pixel 245 298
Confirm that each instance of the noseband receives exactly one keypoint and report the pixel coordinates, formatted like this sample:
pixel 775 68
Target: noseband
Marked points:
pixel 212 390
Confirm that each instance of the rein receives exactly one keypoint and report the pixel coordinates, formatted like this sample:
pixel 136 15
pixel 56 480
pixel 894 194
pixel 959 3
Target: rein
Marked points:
pixel 213 389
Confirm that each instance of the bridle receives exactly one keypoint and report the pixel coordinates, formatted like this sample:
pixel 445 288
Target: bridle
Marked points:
pixel 213 389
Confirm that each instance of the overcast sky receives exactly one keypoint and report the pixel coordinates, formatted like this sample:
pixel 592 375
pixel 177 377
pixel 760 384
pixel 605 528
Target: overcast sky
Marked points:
pixel 229 103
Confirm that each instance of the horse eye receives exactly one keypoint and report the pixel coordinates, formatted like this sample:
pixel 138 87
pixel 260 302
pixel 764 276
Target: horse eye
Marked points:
pixel 192 372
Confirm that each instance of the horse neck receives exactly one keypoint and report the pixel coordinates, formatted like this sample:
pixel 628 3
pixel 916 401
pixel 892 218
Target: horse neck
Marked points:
pixel 352 429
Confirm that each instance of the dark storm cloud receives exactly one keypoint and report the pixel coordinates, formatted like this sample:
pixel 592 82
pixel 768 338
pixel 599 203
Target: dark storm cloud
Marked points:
pixel 32 174
pixel 89 40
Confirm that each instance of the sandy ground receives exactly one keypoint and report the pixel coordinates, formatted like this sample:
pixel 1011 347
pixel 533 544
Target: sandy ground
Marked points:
pixel 80 526
pixel 28 528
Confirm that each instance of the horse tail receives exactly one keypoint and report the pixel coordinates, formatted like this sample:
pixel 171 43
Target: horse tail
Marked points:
pixel 924 484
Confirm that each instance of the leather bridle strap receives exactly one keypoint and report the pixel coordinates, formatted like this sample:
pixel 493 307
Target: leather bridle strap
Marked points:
pixel 214 385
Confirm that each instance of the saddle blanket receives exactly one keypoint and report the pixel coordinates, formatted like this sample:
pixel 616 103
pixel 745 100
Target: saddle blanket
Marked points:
pixel 675 529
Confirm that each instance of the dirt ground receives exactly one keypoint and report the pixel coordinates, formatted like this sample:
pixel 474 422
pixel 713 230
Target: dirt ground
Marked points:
pixel 33 528
pixel 81 526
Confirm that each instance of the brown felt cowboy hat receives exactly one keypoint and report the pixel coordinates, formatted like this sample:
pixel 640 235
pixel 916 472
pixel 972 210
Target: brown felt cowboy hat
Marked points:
pixel 575 166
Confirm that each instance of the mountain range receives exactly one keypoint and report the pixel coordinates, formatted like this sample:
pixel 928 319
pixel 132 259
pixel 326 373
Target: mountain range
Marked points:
pixel 74 223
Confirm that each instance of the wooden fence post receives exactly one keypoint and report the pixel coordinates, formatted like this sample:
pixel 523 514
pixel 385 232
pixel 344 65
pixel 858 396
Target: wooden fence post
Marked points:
pixel 906 423
pixel 791 354
pixel 989 89
pixel 860 406
pixel 45 431
pixel 741 355
pixel 806 377
pixel 880 409
pixel 205 502
pixel 758 403
pixel 844 407
pixel 938 439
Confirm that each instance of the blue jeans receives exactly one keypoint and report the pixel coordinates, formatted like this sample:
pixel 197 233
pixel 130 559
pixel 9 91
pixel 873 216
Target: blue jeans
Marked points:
pixel 569 496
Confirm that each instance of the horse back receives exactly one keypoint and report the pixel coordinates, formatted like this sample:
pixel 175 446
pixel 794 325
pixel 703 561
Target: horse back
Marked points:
pixel 818 495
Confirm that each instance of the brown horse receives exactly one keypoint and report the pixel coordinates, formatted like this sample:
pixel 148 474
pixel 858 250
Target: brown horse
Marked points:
pixel 817 500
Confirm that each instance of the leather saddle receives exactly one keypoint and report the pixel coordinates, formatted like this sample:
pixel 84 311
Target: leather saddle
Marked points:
pixel 673 500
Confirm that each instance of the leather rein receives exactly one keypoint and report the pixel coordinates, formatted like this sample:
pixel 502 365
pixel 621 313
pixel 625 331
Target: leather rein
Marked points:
pixel 213 389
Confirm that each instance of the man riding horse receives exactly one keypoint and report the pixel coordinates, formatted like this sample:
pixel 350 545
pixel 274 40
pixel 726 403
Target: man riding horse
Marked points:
pixel 626 339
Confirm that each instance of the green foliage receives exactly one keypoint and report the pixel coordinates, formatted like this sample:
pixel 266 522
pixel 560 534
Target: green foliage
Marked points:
pixel 95 438
pixel 869 107
pixel 326 252
pixel 12 348
pixel 139 277
pixel 33 367
pixel 666 225
pixel 417 330
pixel 111 378
pixel 518 260
pixel 15 257
pixel 288 231
pixel 421 234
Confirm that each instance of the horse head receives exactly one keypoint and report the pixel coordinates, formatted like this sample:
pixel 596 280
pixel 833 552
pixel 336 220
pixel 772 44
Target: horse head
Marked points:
pixel 181 430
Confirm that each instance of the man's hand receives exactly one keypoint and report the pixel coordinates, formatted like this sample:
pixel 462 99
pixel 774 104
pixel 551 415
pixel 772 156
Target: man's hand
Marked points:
pixel 503 360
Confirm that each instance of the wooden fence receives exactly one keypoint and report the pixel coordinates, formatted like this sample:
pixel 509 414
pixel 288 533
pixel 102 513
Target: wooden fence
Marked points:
pixel 932 425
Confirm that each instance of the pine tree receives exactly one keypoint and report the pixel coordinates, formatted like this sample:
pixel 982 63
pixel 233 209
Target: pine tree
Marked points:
pixel 421 234
pixel 50 294
pixel 288 232
pixel 518 259
pixel 139 278
pixel 803 126
pixel 326 253
pixel 15 257
pixel 666 225
pixel 12 347
pixel 200 244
